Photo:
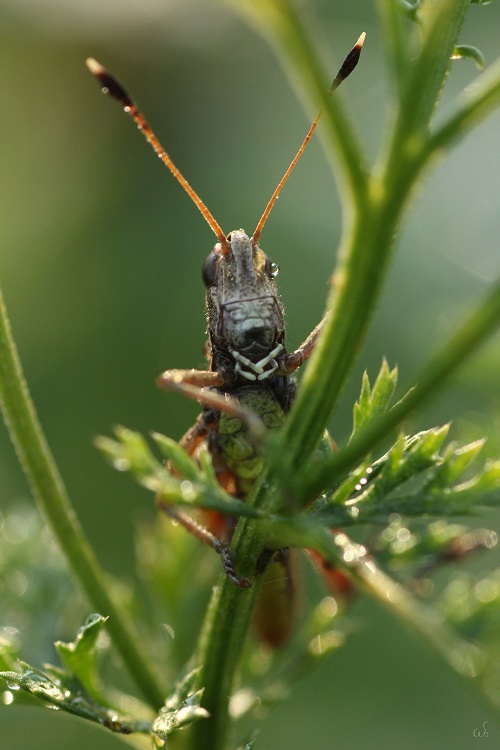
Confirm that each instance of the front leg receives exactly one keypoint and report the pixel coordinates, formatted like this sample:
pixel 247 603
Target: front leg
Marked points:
pixel 171 379
pixel 295 359
pixel 199 384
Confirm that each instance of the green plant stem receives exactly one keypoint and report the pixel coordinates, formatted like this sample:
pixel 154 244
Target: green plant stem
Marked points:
pixel 463 657
pixel 49 491
pixel 224 632
pixel 392 18
pixel 476 102
pixel 441 25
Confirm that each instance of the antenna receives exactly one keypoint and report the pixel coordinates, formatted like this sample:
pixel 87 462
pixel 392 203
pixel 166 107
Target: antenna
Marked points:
pixel 111 86
pixel 345 70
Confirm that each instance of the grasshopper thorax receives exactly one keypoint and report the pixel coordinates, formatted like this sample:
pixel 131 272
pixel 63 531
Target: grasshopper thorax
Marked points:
pixel 244 311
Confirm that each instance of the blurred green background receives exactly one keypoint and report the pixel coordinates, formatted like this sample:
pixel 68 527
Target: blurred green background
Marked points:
pixel 100 265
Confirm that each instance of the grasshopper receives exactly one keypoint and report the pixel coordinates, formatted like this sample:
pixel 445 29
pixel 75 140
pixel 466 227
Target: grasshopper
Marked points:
pixel 248 385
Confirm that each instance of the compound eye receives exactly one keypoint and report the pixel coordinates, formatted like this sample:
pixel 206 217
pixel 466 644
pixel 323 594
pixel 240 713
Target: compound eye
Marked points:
pixel 209 270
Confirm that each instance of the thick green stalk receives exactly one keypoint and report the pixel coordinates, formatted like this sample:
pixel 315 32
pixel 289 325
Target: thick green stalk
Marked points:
pixel 49 491
pixel 224 632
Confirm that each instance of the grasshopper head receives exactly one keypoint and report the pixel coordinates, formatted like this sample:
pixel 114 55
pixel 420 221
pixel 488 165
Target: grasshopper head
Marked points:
pixel 245 315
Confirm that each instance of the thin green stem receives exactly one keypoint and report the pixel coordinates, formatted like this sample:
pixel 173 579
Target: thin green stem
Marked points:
pixel 441 27
pixel 406 156
pixel 426 621
pixel 464 658
pixel 49 491
pixel 340 551
pixel 392 18
pixel 476 102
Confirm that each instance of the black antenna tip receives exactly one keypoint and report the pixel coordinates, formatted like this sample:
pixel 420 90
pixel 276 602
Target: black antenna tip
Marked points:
pixel 351 60
pixel 108 83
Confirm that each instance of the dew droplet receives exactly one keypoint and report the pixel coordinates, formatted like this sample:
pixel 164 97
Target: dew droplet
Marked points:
pixel 121 464
pixel 187 490
pixel 169 630
pixel 15 529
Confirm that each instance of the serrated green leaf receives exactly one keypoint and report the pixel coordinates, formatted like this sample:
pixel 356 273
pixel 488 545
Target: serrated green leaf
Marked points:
pixel 7 656
pixel 137 451
pixel 406 460
pixel 131 453
pixel 169 721
pixel 181 708
pixel 488 479
pixel 384 387
pixel 430 443
pixel 394 459
pixel 246 745
pixel 177 456
pixel 67 694
pixel 183 688
pixel 467 52
pixel 366 493
pixel 207 467
pixel 80 656
pixel 413 463
pixel 483 489
pixel 374 401
pixel 456 461
pixel 348 486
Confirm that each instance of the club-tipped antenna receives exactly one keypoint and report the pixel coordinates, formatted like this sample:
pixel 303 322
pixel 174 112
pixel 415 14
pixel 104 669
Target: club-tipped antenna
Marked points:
pixel 111 86
pixel 345 70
